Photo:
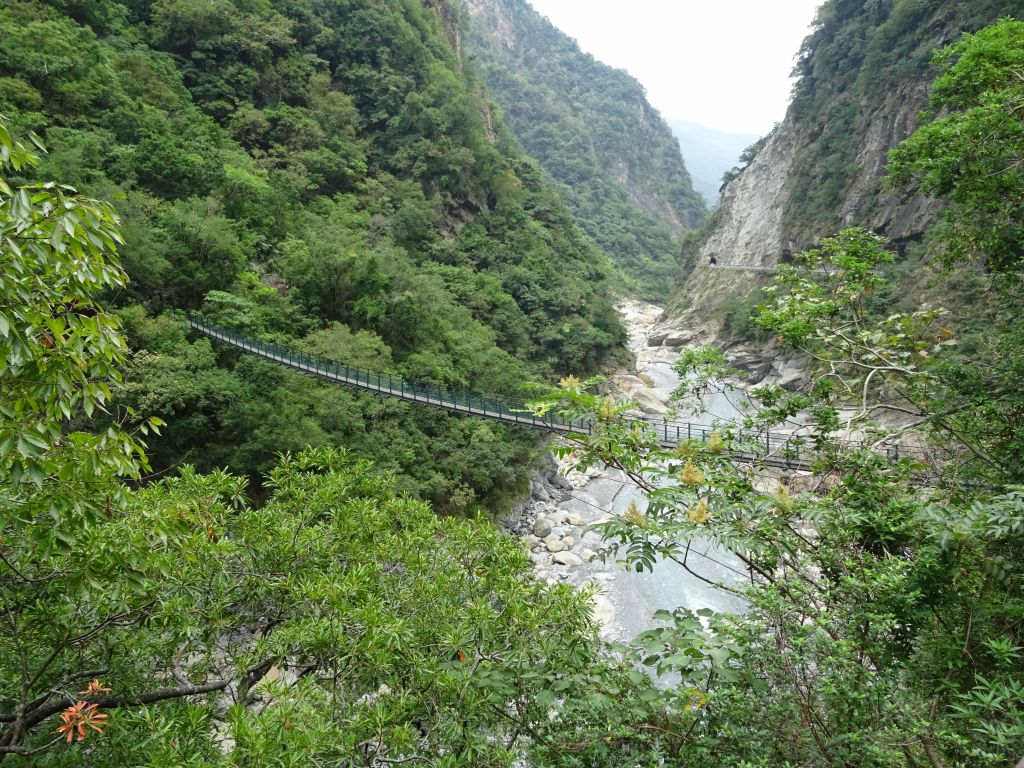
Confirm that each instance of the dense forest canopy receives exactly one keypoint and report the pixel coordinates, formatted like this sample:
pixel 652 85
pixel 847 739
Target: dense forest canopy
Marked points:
pixel 326 175
pixel 594 133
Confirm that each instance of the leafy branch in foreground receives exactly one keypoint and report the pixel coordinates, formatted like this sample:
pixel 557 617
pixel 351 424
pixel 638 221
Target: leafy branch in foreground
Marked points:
pixel 59 353
pixel 883 615
pixel 176 623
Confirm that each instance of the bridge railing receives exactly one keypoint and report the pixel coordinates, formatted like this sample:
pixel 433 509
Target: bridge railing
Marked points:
pixel 781 447
pixel 460 400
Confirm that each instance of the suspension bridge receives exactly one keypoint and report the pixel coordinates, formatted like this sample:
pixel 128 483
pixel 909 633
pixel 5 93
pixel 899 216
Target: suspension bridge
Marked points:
pixel 776 449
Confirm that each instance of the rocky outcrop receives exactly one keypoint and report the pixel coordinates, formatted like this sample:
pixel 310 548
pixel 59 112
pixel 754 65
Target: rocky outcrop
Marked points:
pixel 823 167
pixel 756 221
pixel 750 214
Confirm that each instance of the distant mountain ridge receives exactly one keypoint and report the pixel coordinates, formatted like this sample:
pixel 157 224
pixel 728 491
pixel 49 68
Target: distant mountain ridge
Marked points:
pixel 593 131
pixel 708 154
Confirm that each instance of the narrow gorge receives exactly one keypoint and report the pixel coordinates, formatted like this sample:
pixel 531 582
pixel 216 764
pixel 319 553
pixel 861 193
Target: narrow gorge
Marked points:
pixel 565 503
pixel 298 298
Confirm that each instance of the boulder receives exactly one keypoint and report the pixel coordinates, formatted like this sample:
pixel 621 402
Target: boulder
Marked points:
pixel 587 555
pixel 542 527
pixel 603 611
pixel 566 558
pixel 569 541
pixel 648 402
pixel 539 491
pixel 677 339
pixel 753 362
pixel 554 544
pixel 575 519
pixel 790 379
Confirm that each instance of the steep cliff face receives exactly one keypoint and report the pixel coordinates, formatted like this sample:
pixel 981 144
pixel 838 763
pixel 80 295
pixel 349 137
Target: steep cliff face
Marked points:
pixel 864 75
pixel 750 219
pixel 448 16
pixel 590 126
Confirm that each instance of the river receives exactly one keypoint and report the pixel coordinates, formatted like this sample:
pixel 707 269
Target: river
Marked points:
pixel 568 503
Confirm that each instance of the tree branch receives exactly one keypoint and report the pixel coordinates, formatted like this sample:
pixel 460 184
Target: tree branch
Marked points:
pixel 109 702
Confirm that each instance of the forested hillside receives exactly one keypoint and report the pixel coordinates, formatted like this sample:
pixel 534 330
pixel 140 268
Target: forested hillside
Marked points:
pixel 709 154
pixel 327 176
pixel 593 131
pixel 864 75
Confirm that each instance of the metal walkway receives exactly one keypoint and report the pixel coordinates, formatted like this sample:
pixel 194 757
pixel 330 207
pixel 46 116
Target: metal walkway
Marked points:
pixel 776 449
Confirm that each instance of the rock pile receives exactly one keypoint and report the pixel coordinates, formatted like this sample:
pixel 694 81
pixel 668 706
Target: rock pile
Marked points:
pixel 555 537
pixel 562 548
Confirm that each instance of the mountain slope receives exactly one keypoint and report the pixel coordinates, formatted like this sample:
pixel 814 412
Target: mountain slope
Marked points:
pixel 593 131
pixel 327 176
pixel 708 154
pixel 864 75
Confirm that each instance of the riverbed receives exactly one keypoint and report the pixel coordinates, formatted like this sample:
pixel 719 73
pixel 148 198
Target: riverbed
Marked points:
pixel 565 502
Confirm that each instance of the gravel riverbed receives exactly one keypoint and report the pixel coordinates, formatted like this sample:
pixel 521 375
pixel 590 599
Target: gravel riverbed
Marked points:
pixel 564 503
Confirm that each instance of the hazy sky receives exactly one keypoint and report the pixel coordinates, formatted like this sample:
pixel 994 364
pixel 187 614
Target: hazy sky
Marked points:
pixel 721 63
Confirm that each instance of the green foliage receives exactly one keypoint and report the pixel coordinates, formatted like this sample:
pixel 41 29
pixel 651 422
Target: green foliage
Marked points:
pixel 969 150
pixel 342 621
pixel 338 621
pixel 883 613
pixel 737 312
pixel 289 166
pixel 177 623
pixel 912 366
pixel 60 353
pixel 969 154
pixel 621 174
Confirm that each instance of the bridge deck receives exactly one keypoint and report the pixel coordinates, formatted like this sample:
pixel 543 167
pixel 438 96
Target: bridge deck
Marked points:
pixel 411 392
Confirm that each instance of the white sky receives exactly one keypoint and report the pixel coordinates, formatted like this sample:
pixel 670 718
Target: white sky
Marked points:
pixel 722 63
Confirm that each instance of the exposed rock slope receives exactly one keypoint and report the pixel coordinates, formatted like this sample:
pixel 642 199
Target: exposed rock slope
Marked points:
pixel 864 76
